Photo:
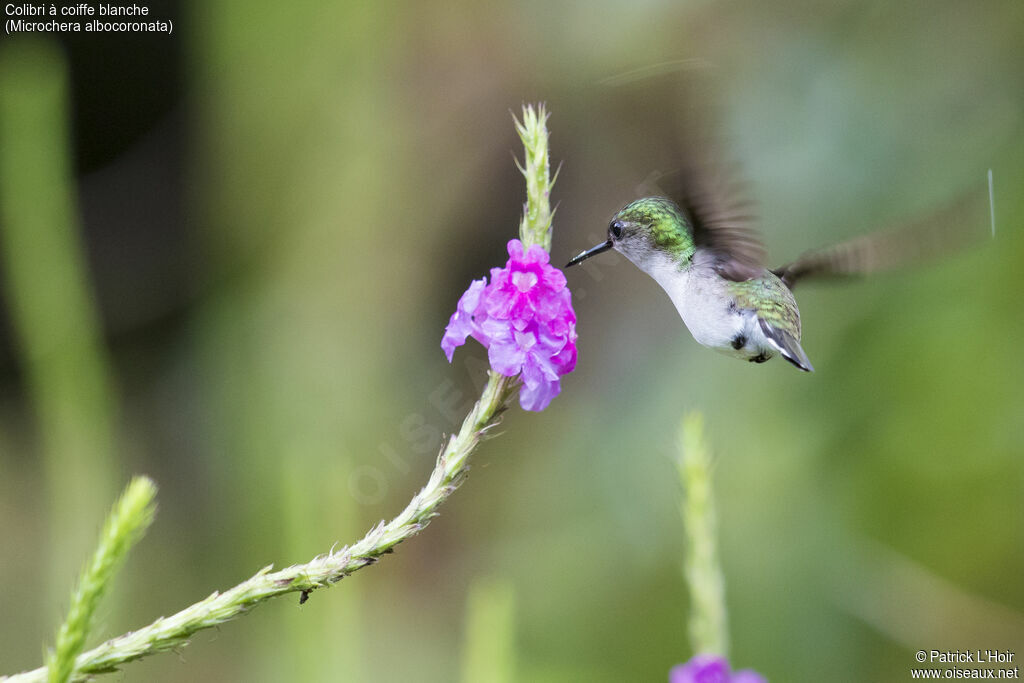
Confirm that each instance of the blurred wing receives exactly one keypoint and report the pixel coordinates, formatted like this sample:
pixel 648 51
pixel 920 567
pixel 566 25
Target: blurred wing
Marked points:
pixel 704 183
pixel 945 230
pixel 722 218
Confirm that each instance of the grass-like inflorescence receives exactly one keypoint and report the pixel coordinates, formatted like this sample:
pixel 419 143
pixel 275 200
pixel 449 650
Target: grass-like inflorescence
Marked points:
pixel 709 633
pixel 169 633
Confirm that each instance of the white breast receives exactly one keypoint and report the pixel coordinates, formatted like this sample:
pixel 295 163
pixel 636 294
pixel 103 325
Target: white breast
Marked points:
pixel 706 307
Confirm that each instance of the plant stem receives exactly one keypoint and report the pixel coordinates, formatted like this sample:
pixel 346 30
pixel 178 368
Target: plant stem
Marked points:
pixel 168 633
pixel 535 226
pixel 709 632
pixel 53 315
pixel 489 643
pixel 127 523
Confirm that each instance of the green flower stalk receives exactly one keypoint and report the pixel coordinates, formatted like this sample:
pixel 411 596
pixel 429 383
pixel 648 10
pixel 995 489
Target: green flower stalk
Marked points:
pixel 708 625
pixel 523 315
pixel 535 226
pixel 125 526
pixel 489 645
pixel 709 632
pixel 53 314
pixel 169 633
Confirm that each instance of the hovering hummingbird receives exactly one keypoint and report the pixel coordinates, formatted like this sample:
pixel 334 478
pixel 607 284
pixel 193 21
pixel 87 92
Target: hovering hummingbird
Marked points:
pixel 701 248
pixel 698 239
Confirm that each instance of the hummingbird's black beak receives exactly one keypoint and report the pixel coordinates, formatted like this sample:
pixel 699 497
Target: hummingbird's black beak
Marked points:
pixel 593 251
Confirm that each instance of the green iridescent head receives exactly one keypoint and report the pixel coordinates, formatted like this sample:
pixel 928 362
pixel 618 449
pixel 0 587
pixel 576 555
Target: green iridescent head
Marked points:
pixel 645 228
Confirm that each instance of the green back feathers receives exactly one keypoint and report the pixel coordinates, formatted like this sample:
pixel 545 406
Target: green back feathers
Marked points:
pixel 770 299
pixel 665 222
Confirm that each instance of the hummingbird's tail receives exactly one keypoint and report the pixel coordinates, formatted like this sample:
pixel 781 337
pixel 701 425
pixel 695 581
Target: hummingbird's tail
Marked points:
pixel 787 345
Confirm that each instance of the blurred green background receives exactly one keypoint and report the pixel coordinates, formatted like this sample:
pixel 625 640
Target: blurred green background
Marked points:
pixel 229 255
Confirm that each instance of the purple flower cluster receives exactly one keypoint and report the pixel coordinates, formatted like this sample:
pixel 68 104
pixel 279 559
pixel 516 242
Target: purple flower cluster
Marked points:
pixel 711 669
pixel 524 318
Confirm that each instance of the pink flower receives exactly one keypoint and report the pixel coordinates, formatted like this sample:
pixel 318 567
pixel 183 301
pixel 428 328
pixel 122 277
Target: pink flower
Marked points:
pixel 524 319
pixel 711 669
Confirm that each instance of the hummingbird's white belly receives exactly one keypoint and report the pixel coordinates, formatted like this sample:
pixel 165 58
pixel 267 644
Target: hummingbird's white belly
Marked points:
pixel 710 313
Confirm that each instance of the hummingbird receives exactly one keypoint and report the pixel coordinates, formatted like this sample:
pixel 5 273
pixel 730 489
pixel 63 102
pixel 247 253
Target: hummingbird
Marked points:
pixel 701 247
pixel 695 234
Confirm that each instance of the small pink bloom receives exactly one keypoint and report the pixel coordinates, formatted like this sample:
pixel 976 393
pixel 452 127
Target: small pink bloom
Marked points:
pixel 711 669
pixel 524 318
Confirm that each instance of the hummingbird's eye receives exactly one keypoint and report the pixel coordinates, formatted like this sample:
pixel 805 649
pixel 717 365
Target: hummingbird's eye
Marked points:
pixel 615 229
